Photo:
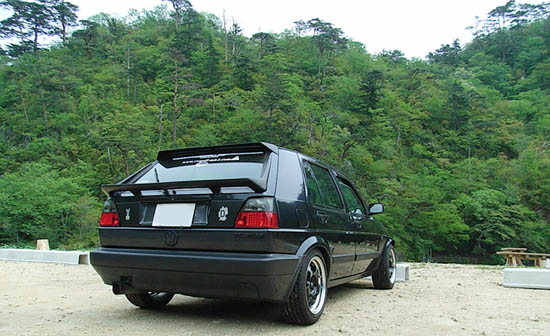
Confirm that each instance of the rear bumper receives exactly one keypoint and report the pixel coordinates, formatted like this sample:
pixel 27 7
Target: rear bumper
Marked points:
pixel 248 276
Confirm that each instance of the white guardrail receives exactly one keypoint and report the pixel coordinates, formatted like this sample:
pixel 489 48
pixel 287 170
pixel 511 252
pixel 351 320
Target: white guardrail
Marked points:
pixel 48 256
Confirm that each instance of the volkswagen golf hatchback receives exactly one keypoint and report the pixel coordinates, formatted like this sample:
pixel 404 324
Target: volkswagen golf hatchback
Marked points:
pixel 251 221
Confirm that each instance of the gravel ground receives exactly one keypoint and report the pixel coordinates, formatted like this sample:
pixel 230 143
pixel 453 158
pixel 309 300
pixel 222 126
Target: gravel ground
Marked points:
pixel 51 299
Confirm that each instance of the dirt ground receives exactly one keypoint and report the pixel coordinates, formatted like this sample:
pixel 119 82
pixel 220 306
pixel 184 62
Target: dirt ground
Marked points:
pixel 51 299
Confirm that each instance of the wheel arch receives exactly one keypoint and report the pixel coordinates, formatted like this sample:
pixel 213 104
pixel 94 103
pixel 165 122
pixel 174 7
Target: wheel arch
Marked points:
pixel 312 242
pixel 318 243
pixel 376 262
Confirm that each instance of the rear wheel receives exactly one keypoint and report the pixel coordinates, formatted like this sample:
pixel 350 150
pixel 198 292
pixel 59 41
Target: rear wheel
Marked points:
pixel 150 300
pixel 384 276
pixel 309 294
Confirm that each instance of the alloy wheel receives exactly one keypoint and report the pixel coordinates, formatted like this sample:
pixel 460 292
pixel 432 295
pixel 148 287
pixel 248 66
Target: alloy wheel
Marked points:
pixel 316 285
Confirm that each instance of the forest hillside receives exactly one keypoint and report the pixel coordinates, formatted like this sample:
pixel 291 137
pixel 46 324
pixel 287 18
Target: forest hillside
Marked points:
pixel 456 146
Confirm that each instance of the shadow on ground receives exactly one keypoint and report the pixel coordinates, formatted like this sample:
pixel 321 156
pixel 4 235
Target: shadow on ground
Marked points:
pixel 199 310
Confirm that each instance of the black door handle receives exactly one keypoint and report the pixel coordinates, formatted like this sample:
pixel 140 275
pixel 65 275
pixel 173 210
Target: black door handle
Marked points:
pixel 323 218
pixel 357 221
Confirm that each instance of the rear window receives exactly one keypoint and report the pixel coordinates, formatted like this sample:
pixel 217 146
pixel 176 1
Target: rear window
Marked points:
pixel 207 167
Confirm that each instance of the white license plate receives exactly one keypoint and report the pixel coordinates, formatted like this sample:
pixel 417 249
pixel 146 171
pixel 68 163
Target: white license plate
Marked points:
pixel 174 215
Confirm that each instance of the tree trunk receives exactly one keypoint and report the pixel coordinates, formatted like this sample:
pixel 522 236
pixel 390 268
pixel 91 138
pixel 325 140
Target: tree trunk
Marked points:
pixel 64 226
pixel 128 72
pixel 35 46
pixel 310 128
pixel 214 107
pixel 398 139
pixel 174 128
pixel 160 129
pixel 225 34
pixel 21 34
pixel 233 47
pixel 24 105
pixel 347 147
pixel 260 50
pixel 64 32
pixel 110 160
pixel 44 110
pixel 125 156
pixel 175 103
pixel 135 89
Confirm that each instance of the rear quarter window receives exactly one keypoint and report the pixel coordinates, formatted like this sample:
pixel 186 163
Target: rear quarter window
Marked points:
pixel 321 188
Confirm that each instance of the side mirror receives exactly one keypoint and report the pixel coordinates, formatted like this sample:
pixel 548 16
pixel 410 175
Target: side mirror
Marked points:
pixel 376 208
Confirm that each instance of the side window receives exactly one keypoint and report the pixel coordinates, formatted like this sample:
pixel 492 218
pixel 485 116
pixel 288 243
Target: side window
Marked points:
pixel 353 202
pixel 327 193
pixel 313 192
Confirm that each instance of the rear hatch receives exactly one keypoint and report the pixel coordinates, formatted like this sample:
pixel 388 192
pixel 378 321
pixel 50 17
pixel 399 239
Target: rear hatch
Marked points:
pixel 189 199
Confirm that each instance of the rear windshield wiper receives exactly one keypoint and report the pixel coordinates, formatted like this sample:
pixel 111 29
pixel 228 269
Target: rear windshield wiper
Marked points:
pixel 157 175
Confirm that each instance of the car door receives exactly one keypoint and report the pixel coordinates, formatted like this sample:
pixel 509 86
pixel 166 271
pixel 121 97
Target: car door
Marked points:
pixel 366 242
pixel 328 214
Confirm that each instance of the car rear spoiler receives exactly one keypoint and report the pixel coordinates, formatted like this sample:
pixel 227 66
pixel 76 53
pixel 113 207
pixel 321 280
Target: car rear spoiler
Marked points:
pixel 258 185
pixel 169 158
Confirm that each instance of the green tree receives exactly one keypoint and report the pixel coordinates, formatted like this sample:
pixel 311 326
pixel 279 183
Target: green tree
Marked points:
pixel 37 203
pixel 64 16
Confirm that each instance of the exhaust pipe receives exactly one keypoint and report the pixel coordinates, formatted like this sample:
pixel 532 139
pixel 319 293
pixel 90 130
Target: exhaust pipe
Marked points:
pixel 121 287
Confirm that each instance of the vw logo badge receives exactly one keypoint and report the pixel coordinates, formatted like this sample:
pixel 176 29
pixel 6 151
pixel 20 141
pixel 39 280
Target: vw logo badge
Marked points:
pixel 170 238
pixel 222 213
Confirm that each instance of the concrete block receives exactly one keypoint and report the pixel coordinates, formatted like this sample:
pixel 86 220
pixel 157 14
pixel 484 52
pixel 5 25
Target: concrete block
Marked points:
pixel 59 257
pixel 402 272
pixel 536 278
pixel 84 258
pixel 546 263
pixel 42 244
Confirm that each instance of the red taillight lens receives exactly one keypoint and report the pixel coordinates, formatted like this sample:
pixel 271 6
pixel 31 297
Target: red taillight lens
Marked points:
pixel 109 219
pixel 260 219
pixel 258 213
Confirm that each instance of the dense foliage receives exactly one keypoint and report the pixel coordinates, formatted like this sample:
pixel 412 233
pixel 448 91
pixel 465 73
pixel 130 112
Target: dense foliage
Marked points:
pixel 456 146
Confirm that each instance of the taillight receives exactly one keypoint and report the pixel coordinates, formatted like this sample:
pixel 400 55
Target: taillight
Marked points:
pixel 258 213
pixel 109 216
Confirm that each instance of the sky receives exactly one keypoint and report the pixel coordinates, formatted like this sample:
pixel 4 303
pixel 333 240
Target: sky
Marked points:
pixel 415 27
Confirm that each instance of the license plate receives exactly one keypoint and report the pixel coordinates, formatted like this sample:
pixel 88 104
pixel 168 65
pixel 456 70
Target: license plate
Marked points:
pixel 174 215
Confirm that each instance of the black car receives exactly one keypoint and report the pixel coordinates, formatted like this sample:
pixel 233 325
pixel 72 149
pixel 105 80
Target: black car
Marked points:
pixel 252 221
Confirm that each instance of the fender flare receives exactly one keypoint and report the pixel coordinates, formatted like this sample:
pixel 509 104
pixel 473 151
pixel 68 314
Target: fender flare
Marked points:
pixel 389 242
pixel 308 244
pixel 376 262
pixel 315 242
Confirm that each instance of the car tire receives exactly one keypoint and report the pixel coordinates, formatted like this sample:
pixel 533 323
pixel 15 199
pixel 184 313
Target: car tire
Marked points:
pixel 150 300
pixel 309 293
pixel 384 276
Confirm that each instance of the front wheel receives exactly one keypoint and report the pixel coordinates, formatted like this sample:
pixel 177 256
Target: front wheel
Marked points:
pixel 384 276
pixel 309 294
pixel 150 300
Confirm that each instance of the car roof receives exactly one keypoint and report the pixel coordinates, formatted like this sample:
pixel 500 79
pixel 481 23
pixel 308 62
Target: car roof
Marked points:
pixel 338 172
